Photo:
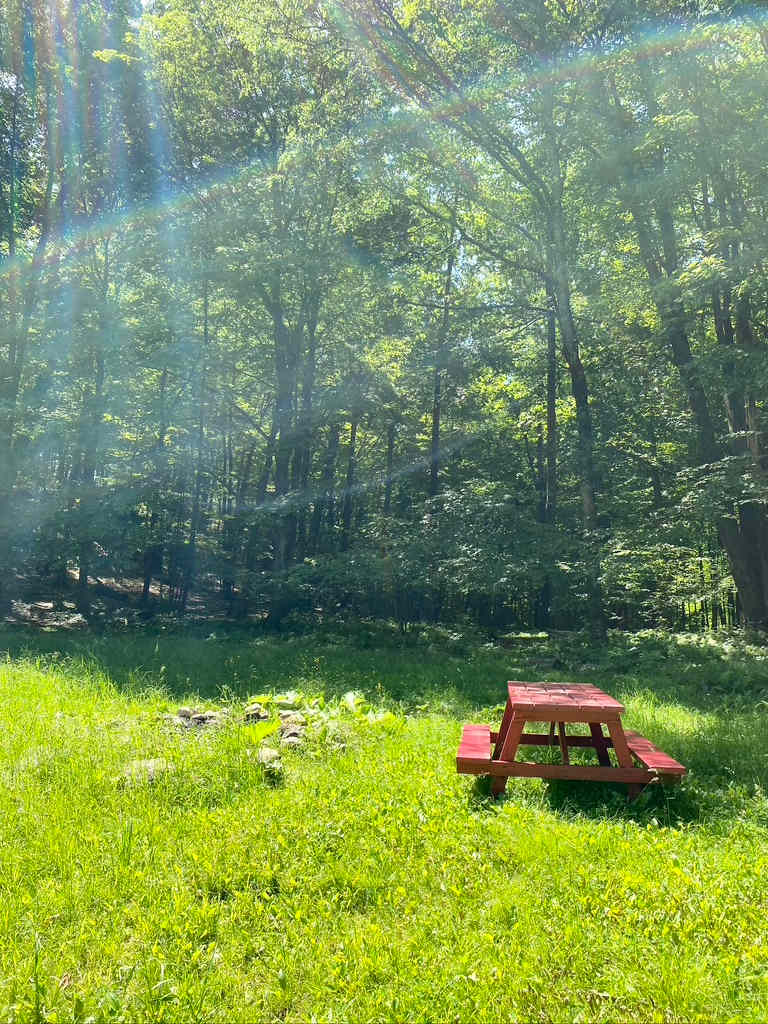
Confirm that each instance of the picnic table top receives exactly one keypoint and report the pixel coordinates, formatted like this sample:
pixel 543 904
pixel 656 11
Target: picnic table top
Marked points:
pixel 570 698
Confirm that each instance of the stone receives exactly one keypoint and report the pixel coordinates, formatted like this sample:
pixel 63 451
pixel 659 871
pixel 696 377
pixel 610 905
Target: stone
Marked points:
pixel 185 712
pixel 292 740
pixel 203 718
pixel 267 755
pixel 292 730
pixel 146 769
pixel 292 718
pixel 255 713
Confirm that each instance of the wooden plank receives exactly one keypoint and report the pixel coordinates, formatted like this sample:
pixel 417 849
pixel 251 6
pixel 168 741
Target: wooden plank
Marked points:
pixel 473 766
pixel 474 754
pixel 616 731
pixel 652 757
pixel 564 714
pixel 543 739
pixel 506 719
pixel 563 745
pixel 600 743
pixel 587 773
pixel 572 696
pixel 507 749
pixel 512 739
pixel 475 741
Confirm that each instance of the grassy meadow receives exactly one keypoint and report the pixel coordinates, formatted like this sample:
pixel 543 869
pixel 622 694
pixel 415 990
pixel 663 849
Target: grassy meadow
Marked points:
pixel 363 879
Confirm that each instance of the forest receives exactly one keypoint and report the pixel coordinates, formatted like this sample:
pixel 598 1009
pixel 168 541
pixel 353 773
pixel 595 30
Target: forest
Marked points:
pixel 419 310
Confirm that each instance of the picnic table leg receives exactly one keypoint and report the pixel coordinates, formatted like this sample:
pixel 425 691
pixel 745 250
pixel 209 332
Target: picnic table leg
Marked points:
pixel 623 754
pixel 498 785
pixel 600 744
pixel 503 730
pixel 563 744
pixel 508 751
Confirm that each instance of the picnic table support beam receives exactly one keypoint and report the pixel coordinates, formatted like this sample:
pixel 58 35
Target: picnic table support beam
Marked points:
pixel 600 743
pixel 583 772
pixel 563 743
pixel 542 739
pixel 503 728
pixel 509 744
pixel 623 755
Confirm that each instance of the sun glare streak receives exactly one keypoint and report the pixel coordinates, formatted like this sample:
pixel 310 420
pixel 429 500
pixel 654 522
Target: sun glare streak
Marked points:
pixel 164 213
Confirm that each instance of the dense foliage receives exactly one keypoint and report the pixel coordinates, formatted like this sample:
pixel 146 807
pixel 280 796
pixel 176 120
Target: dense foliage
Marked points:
pixel 424 309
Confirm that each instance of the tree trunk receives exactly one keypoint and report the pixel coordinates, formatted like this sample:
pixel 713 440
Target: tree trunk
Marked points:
pixel 745 539
pixel 324 506
pixel 434 457
pixel 561 291
pixel 733 395
pixel 551 443
pixel 190 565
pixel 389 470
pixel 285 368
pixel 20 322
pixel 673 322
pixel 746 340
pixel 346 517
pixel 437 381
pixel 304 440
pixel 90 438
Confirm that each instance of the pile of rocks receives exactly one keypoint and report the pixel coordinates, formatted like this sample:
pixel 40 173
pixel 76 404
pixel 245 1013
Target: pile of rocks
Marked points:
pixel 194 718
pixel 293 724
pixel 256 713
pixel 291 733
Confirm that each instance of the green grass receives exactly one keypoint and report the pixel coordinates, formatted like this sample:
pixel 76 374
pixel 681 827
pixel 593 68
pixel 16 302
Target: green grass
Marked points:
pixel 370 882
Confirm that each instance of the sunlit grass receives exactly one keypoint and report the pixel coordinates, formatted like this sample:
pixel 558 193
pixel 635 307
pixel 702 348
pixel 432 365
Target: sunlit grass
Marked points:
pixel 371 882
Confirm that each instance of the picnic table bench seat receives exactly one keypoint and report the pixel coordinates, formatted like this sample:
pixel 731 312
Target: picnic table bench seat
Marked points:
pixel 648 754
pixel 474 756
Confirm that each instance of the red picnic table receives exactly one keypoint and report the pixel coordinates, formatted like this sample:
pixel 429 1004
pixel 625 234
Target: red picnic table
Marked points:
pixel 639 762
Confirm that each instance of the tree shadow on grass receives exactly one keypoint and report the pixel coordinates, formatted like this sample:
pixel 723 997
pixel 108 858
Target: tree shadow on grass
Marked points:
pixel 727 762
pixel 662 805
pixel 203 657
pixel 659 804
pixel 480 798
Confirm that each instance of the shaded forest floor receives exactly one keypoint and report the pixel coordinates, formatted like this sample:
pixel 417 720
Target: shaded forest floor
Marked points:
pixel 363 879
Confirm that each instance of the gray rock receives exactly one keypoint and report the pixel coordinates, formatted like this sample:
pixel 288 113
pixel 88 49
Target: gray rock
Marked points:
pixel 203 718
pixel 185 712
pixel 292 730
pixel 292 718
pixel 267 755
pixel 255 713
pixel 293 740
